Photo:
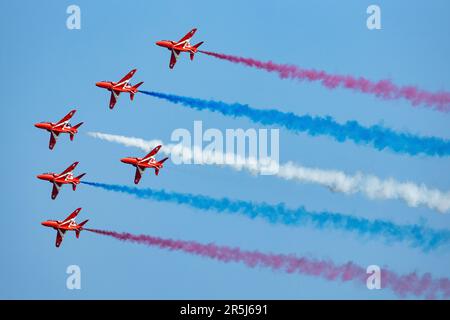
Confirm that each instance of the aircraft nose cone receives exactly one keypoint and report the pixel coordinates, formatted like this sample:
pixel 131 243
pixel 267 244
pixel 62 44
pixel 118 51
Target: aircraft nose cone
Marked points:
pixel 102 84
pixel 43 176
pixel 45 223
pixel 127 160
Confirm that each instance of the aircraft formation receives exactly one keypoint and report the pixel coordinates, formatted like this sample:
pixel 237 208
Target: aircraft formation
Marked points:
pixel 63 126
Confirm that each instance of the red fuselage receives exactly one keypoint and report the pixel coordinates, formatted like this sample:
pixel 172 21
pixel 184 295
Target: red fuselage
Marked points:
pixel 172 45
pixel 110 85
pixel 50 126
pixel 60 225
pixel 137 162
pixel 53 178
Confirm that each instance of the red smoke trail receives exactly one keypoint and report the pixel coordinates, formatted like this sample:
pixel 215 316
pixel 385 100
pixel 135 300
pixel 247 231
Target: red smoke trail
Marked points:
pixel 401 285
pixel 384 89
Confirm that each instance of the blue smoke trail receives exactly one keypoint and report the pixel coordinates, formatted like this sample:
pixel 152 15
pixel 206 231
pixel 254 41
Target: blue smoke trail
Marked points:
pixel 415 235
pixel 377 136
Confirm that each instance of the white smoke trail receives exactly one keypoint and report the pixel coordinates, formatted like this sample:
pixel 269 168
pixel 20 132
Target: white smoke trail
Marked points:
pixel 370 185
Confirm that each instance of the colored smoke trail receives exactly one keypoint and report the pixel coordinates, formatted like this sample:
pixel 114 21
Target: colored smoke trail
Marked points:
pixel 384 89
pixel 371 186
pixel 414 235
pixel 413 284
pixel 375 136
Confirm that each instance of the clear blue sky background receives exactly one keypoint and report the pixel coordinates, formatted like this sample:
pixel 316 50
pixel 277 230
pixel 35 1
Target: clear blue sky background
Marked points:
pixel 48 69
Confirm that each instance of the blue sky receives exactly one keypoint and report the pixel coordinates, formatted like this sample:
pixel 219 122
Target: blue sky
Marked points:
pixel 48 69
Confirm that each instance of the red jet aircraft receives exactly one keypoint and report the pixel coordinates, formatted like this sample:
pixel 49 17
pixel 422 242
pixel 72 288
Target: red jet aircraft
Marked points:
pixel 181 46
pixel 68 224
pixel 62 126
pixel 121 86
pixel 65 177
pixel 143 163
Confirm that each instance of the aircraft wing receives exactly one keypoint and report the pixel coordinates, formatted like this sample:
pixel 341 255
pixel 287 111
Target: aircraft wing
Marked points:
pixel 173 58
pixel 126 79
pixel 113 99
pixel 73 215
pixel 151 153
pixel 59 237
pixel 55 190
pixel 138 175
pixel 66 118
pixel 188 35
pixel 53 137
pixel 69 169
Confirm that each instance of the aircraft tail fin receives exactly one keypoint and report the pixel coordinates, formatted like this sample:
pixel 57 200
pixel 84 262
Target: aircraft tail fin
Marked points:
pixel 163 160
pixel 198 45
pixel 74 185
pixel 195 49
pixel 78 125
pixel 160 165
pixel 137 85
pixel 135 88
pixel 77 232
pixel 72 134
pixel 83 223
pixel 81 176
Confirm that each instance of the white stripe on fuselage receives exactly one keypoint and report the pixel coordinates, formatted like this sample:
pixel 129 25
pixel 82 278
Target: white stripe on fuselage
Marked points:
pixel 70 223
pixel 63 124
pixel 184 43
pixel 122 84
pixel 150 159
pixel 68 175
